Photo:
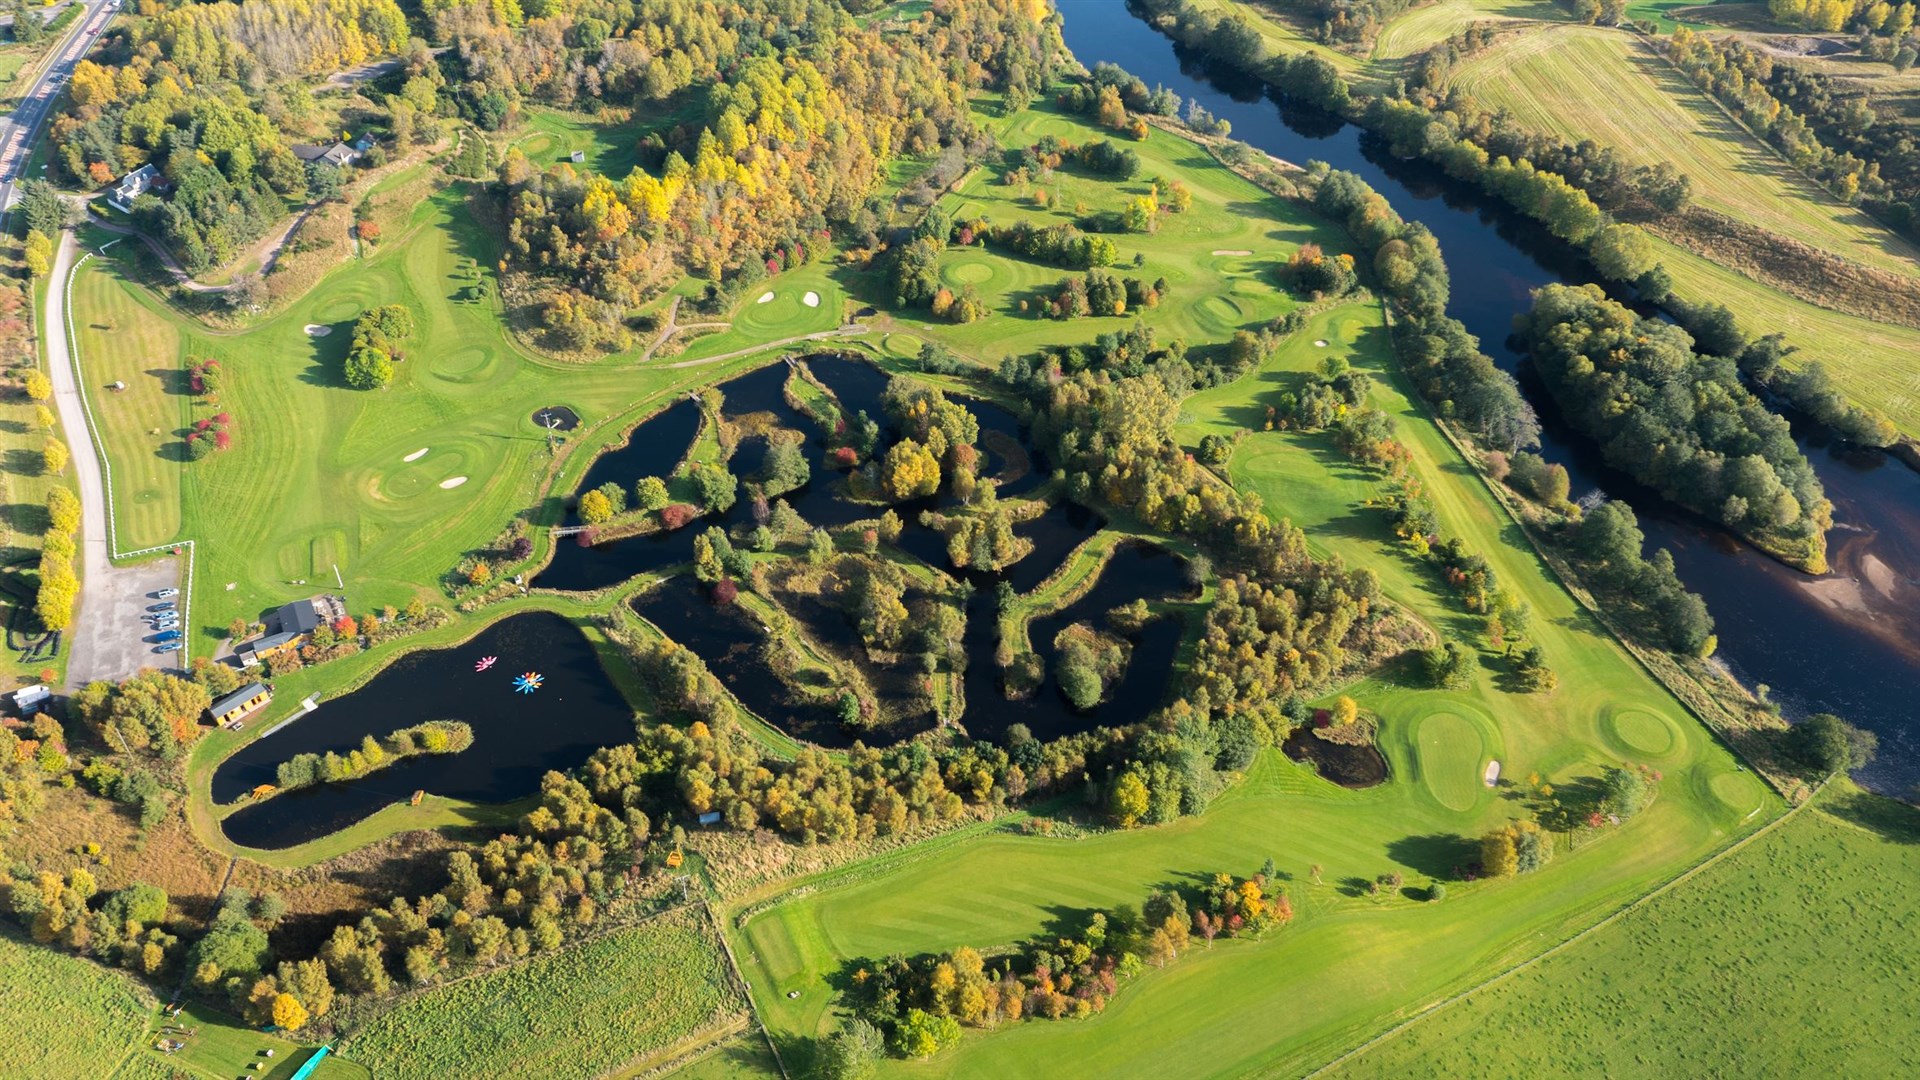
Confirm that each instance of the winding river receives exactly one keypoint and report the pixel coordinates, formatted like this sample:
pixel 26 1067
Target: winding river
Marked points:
pixel 1847 643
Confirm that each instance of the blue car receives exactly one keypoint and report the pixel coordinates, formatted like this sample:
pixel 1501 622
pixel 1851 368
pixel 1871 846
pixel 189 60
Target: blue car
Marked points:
pixel 166 636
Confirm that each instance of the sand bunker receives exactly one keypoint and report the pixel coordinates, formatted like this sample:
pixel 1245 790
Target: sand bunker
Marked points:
pixel 1231 251
pixel 1319 343
pixel 764 298
pixel 316 330
pixel 812 299
pixel 416 455
pixel 453 481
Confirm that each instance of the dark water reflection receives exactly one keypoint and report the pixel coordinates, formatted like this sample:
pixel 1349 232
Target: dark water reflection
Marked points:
pixel 1135 572
pixel 516 737
pixel 1775 626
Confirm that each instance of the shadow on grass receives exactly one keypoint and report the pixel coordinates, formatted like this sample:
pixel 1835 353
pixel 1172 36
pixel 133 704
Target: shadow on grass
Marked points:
pixel 29 519
pixel 173 381
pixel 330 357
pixel 1891 819
pixel 1441 856
pixel 21 461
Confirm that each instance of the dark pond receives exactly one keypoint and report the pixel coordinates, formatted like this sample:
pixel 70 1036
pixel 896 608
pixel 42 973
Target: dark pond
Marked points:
pixel 1818 644
pixel 1135 572
pixel 557 417
pixel 516 738
pixel 821 502
pixel 1348 766
pixel 652 449
pixel 728 639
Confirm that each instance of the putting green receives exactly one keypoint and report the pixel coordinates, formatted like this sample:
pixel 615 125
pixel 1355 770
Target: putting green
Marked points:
pixel 1738 790
pixel 1642 732
pixel 1451 755
pixel 785 316
pixel 1220 309
pixel 464 364
pixel 337 310
pixel 969 273
pixel 421 476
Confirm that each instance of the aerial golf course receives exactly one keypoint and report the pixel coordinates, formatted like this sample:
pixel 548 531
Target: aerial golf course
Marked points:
pixel 398 490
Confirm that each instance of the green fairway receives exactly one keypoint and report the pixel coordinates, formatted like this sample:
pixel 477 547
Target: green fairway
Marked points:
pixel 221 1046
pixel 551 136
pixel 1691 984
pixel 1244 1006
pixel 1218 258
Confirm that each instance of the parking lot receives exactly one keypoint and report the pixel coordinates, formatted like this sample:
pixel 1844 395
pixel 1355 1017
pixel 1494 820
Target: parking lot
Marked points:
pixel 110 634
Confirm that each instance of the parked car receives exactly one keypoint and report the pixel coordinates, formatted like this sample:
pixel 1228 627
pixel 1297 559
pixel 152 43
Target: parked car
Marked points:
pixel 167 635
pixel 164 593
pixel 168 606
pixel 166 626
pixel 166 648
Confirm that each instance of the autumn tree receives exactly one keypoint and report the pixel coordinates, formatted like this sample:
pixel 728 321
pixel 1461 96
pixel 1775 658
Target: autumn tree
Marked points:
pixel 1127 800
pixel 911 471
pixel 650 492
pixel 288 1014
pixel 39 254
pixel 1345 711
pixel 595 507
pixel 1496 854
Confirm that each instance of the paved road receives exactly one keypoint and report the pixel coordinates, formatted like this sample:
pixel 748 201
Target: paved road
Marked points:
pixel 18 132
pixel 108 638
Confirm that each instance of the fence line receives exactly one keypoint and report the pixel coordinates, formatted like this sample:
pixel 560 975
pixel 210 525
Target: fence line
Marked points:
pixel 106 465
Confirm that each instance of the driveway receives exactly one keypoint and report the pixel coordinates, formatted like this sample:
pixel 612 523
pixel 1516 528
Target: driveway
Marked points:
pixel 108 636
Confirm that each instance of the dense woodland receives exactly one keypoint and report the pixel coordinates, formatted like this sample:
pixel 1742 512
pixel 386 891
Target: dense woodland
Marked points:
pixel 788 148
pixel 196 90
pixel 1678 421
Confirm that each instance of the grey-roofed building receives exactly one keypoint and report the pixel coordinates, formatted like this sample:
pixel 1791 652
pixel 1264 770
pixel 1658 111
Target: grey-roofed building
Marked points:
pixel 339 155
pixel 238 704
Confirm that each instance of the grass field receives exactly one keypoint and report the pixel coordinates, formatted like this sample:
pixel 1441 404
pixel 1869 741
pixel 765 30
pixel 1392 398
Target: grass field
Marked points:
pixel 61 1016
pixel 1584 82
pixel 1263 1007
pixel 1738 972
pixel 1430 24
pixel 616 1005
